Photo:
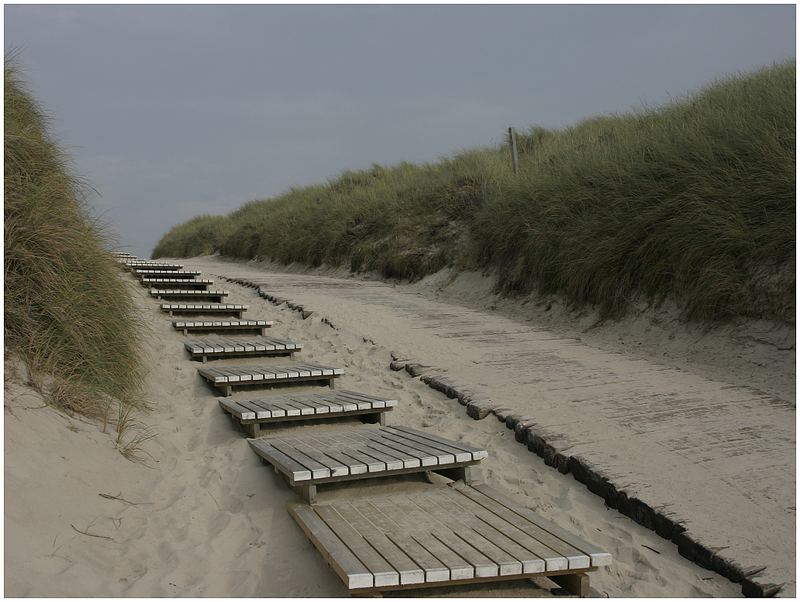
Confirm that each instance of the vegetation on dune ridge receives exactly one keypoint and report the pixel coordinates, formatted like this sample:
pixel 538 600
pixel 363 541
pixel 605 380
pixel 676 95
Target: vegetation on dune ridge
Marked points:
pixel 68 313
pixel 693 202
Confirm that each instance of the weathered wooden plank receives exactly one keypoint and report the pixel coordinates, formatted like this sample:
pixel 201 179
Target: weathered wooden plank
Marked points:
pixel 316 406
pixel 407 569
pixel 345 445
pixel 254 412
pixel 419 528
pixel 223 325
pixel 382 571
pixel 277 411
pixel 297 471
pixel 481 564
pixel 349 568
pixel 553 561
pixel 424 458
pixel 494 530
pixel 392 462
pixel 336 404
pixel 327 446
pixel 507 564
pixel 336 468
pixel 303 408
pixel 318 470
pixel 447 448
pixel 576 559
pixel 434 570
pixel 477 454
pixel 440 456
pixel 598 556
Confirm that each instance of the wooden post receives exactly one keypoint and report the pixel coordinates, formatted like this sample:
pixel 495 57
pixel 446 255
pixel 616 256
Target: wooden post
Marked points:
pixel 252 430
pixel 576 584
pixel 512 141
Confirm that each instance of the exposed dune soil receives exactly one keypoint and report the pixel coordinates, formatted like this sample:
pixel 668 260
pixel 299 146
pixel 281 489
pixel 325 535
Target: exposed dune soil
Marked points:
pixel 203 517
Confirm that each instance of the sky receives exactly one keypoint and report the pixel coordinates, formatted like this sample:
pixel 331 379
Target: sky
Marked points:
pixel 174 111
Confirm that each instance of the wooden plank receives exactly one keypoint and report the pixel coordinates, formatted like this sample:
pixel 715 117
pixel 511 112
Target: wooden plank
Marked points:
pixel 361 404
pixel 507 564
pixel 598 556
pixel 318 471
pixel 531 562
pixel 477 454
pixel 260 413
pixel 180 324
pixel 576 559
pixel 382 571
pixel 327 446
pixel 336 403
pixel 276 411
pixel 296 471
pixel 349 568
pixel 316 407
pixel 407 569
pixel 373 464
pixel 420 529
pixel 336 468
pixel 434 570
pixel 408 451
pixel 553 561
pixel 392 462
pixel 482 565
pixel 458 453
pixel 405 460
pixel 236 409
pixel 440 456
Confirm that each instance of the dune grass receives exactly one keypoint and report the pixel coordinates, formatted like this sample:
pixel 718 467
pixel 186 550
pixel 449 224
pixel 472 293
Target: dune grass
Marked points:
pixel 692 202
pixel 68 314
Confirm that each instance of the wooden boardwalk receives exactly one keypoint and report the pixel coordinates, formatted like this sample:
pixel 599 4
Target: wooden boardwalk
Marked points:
pixel 223 326
pixel 225 378
pixel 252 413
pixel 181 283
pixel 438 535
pixel 198 295
pixel 224 347
pixel 311 459
pixel 444 535
pixel 234 309
pixel 156 273
pixel 159 265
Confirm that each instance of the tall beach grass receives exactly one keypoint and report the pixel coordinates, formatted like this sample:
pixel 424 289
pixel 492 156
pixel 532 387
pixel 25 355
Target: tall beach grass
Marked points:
pixel 68 314
pixel 692 202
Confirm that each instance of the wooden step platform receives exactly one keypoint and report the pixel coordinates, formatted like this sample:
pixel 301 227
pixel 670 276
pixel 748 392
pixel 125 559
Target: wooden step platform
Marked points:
pixel 195 294
pixel 308 460
pixel 225 378
pixel 182 283
pixel 252 412
pixel 223 347
pixel 234 309
pixel 155 273
pixel 223 326
pixel 160 265
pixel 441 536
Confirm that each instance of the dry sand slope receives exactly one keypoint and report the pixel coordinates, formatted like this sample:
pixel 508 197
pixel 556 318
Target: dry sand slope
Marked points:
pixel 207 519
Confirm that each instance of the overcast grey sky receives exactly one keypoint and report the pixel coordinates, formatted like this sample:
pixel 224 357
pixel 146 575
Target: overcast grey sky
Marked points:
pixel 173 111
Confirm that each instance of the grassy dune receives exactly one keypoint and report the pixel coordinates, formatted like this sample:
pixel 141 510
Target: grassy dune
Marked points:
pixel 692 202
pixel 68 314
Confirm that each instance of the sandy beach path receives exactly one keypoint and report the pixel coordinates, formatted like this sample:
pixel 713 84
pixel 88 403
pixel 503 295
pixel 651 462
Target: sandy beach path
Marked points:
pixel 204 517
pixel 719 457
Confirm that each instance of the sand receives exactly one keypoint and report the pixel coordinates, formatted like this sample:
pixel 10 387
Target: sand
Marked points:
pixel 203 517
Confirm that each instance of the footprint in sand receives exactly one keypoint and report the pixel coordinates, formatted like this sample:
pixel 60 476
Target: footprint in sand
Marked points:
pixel 217 523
